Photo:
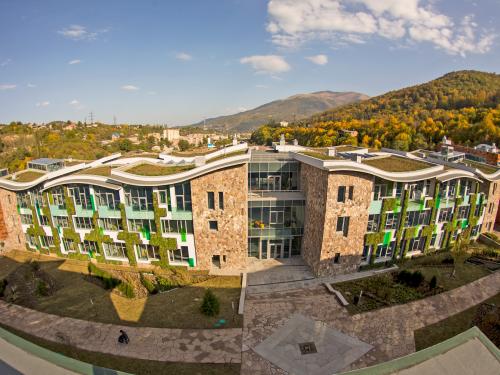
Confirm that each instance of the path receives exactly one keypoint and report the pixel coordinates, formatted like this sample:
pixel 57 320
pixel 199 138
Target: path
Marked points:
pixel 160 344
pixel 389 330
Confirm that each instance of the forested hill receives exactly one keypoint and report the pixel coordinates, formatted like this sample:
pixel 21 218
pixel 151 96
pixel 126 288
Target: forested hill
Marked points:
pixel 464 106
pixel 452 91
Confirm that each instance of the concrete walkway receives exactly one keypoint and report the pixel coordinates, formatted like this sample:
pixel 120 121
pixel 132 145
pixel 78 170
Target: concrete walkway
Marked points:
pixel 160 344
pixel 389 330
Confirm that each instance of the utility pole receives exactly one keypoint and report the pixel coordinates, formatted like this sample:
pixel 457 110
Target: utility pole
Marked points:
pixel 91 117
pixel 114 120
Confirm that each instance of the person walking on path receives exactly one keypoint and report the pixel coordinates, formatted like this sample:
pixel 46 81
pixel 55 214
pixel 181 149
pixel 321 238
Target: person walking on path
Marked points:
pixel 123 338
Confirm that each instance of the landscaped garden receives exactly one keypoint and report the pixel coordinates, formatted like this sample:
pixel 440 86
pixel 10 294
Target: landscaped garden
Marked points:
pixel 418 278
pixel 169 298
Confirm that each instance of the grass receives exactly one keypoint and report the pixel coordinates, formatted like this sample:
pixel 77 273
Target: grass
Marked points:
pixel 158 170
pixel 28 176
pixel 131 365
pixel 228 155
pixel 346 148
pixel 384 290
pixel 449 327
pixel 104 170
pixel 77 297
pixel 485 168
pixel 194 152
pixel 319 155
pixel 396 164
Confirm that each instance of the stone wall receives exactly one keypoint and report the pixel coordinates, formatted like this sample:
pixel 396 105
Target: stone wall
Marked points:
pixel 492 191
pixel 230 241
pixel 11 233
pixel 321 239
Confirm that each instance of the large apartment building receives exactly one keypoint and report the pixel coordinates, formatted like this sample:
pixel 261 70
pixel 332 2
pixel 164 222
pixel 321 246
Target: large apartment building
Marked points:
pixel 337 208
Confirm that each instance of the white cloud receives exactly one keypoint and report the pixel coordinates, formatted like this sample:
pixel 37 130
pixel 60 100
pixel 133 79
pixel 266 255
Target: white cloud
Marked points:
pixel 129 88
pixel 7 86
pixel 5 62
pixel 183 56
pixel 74 102
pixel 78 32
pixel 266 64
pixel 318 59
pixel 292 23
pixel 73 62
pixel 31 85
pixel 42 104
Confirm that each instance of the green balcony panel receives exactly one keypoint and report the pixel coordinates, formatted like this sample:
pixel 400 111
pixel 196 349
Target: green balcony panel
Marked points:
pixel 132 214
pixel 191 262
pixel 26 211
pixel 181 214
pixel 375 207
pixel 183 236
pixel 387 238
pixel 57 210
pixel 82 212
pixel 106 212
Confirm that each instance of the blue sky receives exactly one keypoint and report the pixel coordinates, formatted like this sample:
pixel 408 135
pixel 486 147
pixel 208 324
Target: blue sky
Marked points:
pixel 177 62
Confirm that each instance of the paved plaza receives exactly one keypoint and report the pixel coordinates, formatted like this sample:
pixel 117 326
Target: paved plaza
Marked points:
pixel 307 347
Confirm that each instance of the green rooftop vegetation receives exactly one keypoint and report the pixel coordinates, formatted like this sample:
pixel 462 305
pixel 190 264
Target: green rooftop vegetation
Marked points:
pixel 194 152
pixel 158 170
pixel 346 148
pixel 396 164
pixel 229 154
pixel 152 155
pixel 28 176
pixel 320 155
pixel 104 170
pixel 485 168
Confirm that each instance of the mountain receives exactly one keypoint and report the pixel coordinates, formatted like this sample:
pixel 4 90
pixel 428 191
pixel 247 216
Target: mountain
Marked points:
pixel 295 107
pixel 453 91
pixel 463 105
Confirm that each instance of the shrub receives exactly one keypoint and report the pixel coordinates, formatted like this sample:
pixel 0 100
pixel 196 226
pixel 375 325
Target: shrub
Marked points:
pixel 433 283
pixel 493 236
pixel 126 289
pixel 109 282
pixel 412 279
pixel 152 289
pixel 210 304
pixel 42 289
pixel 356 300
pixel 164 284
pixel 3 285
pixel 448 260
pixel 35 266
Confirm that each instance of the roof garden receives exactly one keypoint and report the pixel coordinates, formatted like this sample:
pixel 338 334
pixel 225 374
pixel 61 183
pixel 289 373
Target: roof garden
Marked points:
pixel 104 170
pixel 396 164
pixel 194 152
pixel 485 168
pixel 346 148
pixel 28 176
pixel 320 155
pixel 147 169
pixel 228 155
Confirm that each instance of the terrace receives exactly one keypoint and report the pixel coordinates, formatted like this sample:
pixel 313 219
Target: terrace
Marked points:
pixel 396 164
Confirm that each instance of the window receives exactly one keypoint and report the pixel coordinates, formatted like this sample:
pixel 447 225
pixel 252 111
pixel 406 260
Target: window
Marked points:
pixel 44 220
pixel 58 197
pixel 385 251
pixel 490 208
pixel 146 252
pixel 83 222
pixel 213 225
pixel 107 198
pixel 69 245
pixel 427 187
pixel 36 197
pixel 343 225
pixel 351 192
pixel 176 226
pixel 463 212
pixel 336 259
pixel 221 200
pixel 211 200
pixel 46 241
pixel 366 253
pixel 477 210
pixel 379 191
pixel 475 230
pixel 416 190
pixel 183 196
pixel 139 225
pixel 417 244
pixel 115 250
pixel 391 221
pixel 89 247
pixel 341 194
pixel 26 219
pixel 433 240
pixel 399 189
pixel 61 221
pixel 111 224
pixel 276 217
pixel 414 218
pixel 81 196
pixel 494 188
pixel 30 240
pixel 163 195
pixel 139 198
pixel 445 214
pixel 180 255
pixel 373 223
pixel 23 200
pixel 273 176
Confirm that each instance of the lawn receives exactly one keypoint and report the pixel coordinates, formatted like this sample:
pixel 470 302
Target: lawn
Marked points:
pixel 104 170
pixel 28 176
pixel 158 170
pixel 78 297
pixel 132 365
pixel 387 289
pixel 455 324
pixel 396 164
pixel 319 155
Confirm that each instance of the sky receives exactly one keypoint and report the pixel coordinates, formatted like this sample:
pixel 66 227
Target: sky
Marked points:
pixel 178 62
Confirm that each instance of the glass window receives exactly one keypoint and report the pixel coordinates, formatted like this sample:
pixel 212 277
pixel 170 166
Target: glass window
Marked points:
pixel 107 198
pixel 69 245
pixel 61 221
pixel 89 247
pixel 139 198
pixel 341 194
pixel 445 214
pixel 46 241
pixel 26 219
pixel 81 196
pixel 373 223
pixel 83 222
pixel 180 255
pixel 351 193
pixel 379 191
pixel 115 250
pixel 23 200
pixel 183 196
pixel 176 226
pixel 391 221
pixel 213 225
pixel 366 253
pixel 343 225
pixel 44 220
pixel 163 195
pixel 221 200
pixel 30 239
pixel 211 200
pixel 146 252
pixel 58 197
pixel 111 224
pixel 138 225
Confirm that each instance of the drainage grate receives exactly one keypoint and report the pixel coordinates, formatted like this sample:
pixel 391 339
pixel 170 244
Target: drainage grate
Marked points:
pixel 307 348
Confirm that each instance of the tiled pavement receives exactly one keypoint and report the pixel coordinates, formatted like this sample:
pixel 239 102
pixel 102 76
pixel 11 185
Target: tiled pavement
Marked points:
pixel 389 330
pixel 161 344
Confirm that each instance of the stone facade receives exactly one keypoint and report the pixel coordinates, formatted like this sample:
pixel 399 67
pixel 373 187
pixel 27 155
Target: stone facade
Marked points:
pixel 492 191
pixel 229 242
pixel 321 240
pixel 11 233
